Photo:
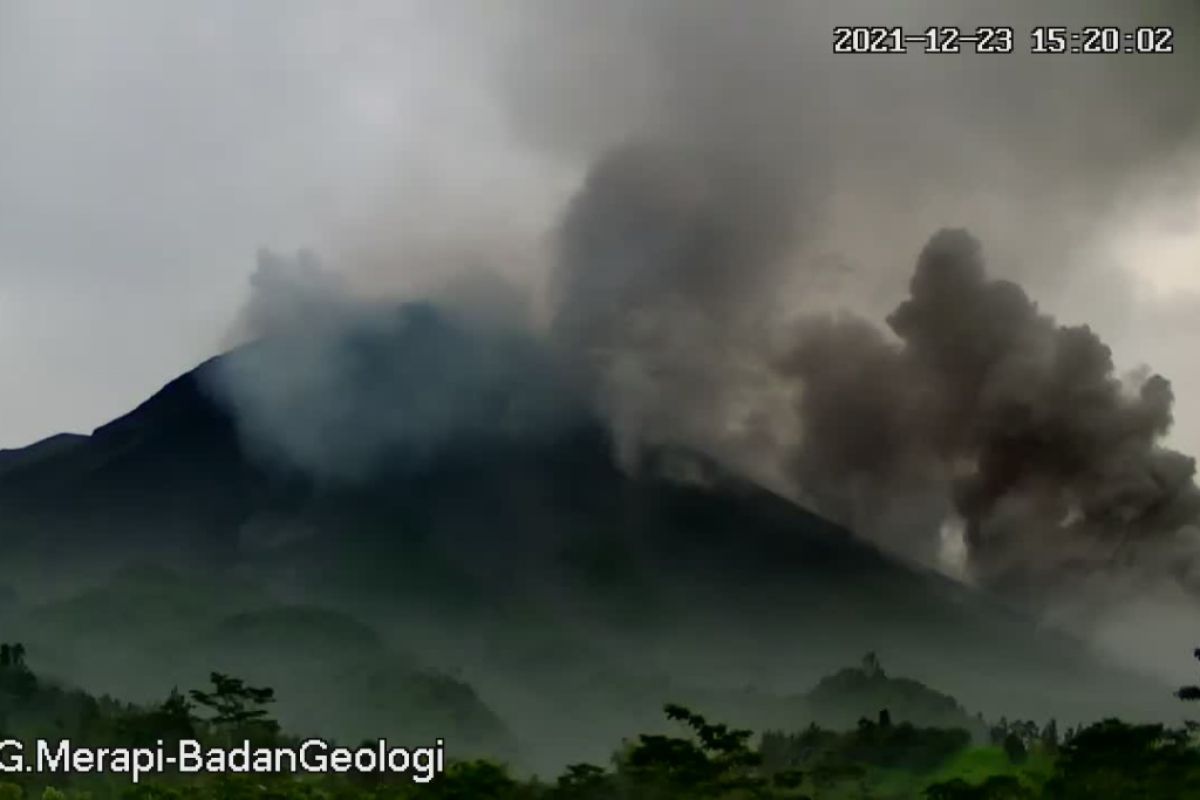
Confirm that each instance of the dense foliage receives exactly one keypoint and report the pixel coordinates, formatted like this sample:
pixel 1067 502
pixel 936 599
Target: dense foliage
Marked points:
pixel 876 760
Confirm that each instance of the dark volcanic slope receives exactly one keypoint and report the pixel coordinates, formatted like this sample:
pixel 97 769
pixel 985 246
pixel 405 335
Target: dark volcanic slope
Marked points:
pixel 167 477
pixel 51 446
pixel 531 558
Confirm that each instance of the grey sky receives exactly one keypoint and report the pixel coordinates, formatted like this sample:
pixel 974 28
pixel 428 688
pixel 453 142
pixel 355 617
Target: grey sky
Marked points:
pixel 147 150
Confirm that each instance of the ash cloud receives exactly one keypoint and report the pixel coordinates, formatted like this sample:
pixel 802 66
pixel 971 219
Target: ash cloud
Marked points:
pixel 865 156
pixel 288 295
pixel 343 388
pixel 1052 459
pixel 738 226
pixel 648 303
pixel 726 273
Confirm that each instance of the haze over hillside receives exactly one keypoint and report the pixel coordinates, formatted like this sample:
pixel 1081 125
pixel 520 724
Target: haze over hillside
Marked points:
pixel 573 595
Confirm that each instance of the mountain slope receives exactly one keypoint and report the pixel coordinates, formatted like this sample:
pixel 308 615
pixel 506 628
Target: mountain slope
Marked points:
pixel 575 596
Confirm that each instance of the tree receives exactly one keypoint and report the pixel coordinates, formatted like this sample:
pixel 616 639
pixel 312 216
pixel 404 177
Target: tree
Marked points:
pixel 470 780
pixel 715 761
pixel 1014 748
pixel 871 666
pixel 1190 692
pixel 171 721
pixel 1049 737
pixel 583 782
pixel 235 706
pixel 15 678
pixel 1112 759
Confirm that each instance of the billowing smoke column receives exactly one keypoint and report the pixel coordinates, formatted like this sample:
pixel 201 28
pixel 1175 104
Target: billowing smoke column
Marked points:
pixel 691 250
pixel 973 404
pixel 647 299
pixel 1051 459
pixel 724 150
pixel 343 389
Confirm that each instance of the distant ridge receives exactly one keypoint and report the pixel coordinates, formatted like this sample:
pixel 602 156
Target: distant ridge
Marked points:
pixel 17 457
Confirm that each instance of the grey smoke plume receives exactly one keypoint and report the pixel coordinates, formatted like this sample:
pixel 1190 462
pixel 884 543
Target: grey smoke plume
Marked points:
pixel 736 153
pixel 289 295
pixel 341 388
pixel 1053 461
pixel 865 155
pixel 737 175
pixel 647 298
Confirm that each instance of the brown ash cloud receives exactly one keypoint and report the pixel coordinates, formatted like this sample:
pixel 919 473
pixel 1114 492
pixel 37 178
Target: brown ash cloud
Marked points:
pixel 1052 459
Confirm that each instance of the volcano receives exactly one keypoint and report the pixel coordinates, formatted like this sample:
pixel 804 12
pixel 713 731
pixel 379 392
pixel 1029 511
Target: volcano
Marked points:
pixel 571 593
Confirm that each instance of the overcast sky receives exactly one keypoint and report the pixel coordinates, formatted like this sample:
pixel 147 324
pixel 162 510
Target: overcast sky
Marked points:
pixel 149 149
pixel 147 152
